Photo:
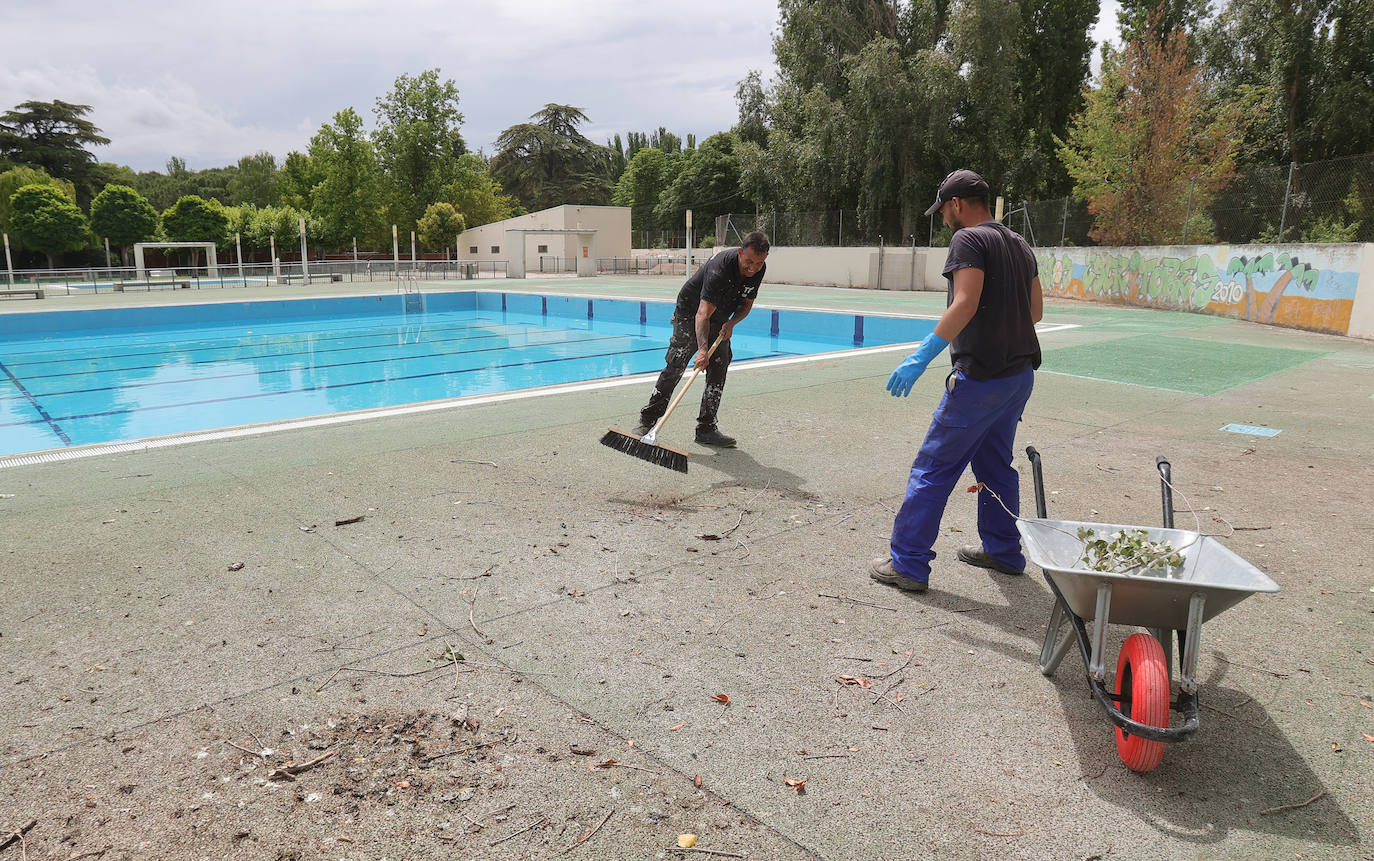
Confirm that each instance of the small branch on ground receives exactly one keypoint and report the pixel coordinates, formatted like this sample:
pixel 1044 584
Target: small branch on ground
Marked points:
pixel 17 833
pixel 473 622
pixel 586 835
pixel 290 771
pixel 857 601
pixel 1316 797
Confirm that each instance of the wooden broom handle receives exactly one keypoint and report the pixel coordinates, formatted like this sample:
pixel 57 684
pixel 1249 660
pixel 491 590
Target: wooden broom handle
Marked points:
pixel 683 391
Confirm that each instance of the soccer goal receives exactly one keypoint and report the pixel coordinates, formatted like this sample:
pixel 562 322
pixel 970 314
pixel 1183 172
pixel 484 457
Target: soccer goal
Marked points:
pixel 213 263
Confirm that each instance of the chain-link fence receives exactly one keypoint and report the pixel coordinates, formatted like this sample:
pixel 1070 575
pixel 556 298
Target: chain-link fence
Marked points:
pixel 1326 201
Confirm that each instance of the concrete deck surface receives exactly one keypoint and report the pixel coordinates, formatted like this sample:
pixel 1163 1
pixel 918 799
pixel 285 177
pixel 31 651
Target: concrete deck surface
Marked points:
pixel 180 622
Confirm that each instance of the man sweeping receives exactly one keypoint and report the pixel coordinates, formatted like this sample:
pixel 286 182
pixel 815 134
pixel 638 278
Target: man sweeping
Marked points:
pixel 994 302
pixel 710 304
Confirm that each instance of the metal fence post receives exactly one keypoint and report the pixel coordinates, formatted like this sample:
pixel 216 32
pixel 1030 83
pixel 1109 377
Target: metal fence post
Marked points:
pixel 1064 225
pixel 1283 213
pixel 1188 214
pixel 841 242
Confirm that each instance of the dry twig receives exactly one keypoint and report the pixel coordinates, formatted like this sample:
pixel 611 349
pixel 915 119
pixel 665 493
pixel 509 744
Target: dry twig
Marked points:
pixel 540 819
pixel 473 622
pixel 18 833
pixel 857 601
pixel 586 835
pixel 706 851
pixel 1293 806
pixel 290 771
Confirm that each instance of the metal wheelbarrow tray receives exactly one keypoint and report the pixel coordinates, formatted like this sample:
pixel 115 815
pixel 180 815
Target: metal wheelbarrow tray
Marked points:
pixel 1211 580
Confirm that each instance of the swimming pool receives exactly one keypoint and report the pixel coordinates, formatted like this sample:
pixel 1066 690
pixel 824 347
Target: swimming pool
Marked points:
pixel 81 378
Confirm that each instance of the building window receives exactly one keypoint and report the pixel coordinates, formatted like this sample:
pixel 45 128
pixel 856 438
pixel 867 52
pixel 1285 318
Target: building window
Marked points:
pixel 543 249
pixel 496 249
pixel 472 249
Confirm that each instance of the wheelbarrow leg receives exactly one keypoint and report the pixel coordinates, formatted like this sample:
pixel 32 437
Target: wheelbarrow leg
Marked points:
pixel 1165 636
pixel 1055 647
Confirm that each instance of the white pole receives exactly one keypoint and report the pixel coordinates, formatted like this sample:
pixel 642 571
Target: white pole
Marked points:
pixel 238 255
pixel 305 268
pixel 395 253
pixel 276 264
pixel 9 264
pixel 412 249
pixel 107 252
pixel 688 242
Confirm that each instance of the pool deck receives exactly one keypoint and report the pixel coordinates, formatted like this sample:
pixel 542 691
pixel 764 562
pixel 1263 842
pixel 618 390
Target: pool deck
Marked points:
pixel 170 611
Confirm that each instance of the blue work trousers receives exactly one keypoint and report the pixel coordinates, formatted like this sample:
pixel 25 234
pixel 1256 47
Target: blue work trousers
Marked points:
pixel 975 424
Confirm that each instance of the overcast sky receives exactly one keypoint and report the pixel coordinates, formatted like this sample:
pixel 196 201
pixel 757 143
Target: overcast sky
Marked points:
pixel 212 81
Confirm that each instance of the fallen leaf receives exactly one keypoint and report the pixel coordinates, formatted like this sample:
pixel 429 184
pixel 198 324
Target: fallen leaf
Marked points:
pixel 581 751
pixel 1336 748
pixel 686 841
pixel 854 680
pixel 975 488
pixel 235 566
pixel 676 728
pixel 1367 737
pixel 723 699
pixel 405 784
pixel 696 781
pixel 799 785
pixel 709 537
pixel 610 763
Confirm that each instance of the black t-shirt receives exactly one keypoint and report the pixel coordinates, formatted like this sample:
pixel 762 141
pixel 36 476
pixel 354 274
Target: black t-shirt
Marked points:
pixel 718 281
pixel 1000 340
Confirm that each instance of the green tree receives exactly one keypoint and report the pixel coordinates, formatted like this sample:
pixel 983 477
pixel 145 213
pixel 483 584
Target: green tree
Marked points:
pixel 347 200
pixel 43 218
pixel 52 136
pixel 123 216
pixel 297 181
pixel 418 142
pixel 646 178
pixel 16 178
pixel 548 162
pixel 439 226
pixel 476 196
pixel 193 218
pixel 708 183
pixel 255 181
pixel 1160 19
pixel 1342 112
pixel 275 224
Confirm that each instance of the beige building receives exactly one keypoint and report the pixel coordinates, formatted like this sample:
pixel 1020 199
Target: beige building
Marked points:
pixel 566 238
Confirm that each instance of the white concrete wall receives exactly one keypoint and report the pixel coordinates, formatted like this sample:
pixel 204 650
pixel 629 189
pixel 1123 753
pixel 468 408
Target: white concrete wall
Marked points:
pixel 612 225
pixel 856 267
pixel 1362 312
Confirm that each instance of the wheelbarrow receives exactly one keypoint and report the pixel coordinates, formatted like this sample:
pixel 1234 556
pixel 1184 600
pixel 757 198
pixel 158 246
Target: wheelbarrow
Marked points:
pixel 1168 601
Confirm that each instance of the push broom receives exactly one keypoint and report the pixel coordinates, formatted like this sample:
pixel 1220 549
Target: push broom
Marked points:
pixel 646 448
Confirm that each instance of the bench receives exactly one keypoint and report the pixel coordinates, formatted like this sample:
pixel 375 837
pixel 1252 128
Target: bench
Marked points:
pixel 35 292
pixel 291 279
pixel 120 285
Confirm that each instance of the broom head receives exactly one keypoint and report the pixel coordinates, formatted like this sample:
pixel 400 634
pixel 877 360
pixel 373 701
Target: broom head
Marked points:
pixel 659 455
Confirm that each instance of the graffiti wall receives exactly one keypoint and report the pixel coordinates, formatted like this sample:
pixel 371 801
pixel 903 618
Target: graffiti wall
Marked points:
pixel 1303 286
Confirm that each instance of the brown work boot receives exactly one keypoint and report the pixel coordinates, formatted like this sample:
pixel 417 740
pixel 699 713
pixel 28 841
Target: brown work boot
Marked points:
pixel 882 571
pixel 975 555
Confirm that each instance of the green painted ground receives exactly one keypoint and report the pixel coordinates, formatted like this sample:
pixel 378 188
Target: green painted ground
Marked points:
pixel 1190 365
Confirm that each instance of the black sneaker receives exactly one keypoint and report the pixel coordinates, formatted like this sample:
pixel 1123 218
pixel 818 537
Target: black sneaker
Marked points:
pixel 972 554
pixel 882 571
pixel 716 438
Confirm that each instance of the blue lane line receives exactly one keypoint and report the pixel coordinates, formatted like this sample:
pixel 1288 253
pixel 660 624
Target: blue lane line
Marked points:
pixel 235 342
pixel 33 402
pixel 258 373
pixel 326 386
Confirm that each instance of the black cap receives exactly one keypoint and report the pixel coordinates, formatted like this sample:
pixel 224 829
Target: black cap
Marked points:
pixel 960 183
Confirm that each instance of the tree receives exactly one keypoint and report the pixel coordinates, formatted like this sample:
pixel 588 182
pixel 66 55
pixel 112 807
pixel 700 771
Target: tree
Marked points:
pixel 548 162
pixel 255 181
pixel 753 110
pixel 418 142
pixel 440 226
pixel 123 216
pixel 43 218
pixel 1342 114
pixel 193 218
pixel 646 178
pixel 476 196
pixel 347 200
pixel 52 136
pixel 1147 148
pixel 1160 20
pixel 708 183
pixel 274 226
pixel 16 178
pixel 297 181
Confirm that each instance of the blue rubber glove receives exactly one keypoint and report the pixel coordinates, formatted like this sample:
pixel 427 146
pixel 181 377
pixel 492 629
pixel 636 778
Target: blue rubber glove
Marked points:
pixel 909 371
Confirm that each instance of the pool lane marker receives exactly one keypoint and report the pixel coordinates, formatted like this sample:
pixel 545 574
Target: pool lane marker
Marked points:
pixel 33 402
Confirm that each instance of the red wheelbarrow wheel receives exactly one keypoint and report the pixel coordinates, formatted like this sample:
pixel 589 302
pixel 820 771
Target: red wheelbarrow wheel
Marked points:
pixel 1142 679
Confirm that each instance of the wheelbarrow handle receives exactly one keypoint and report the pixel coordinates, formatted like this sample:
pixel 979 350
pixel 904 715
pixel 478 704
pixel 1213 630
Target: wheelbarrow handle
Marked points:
pixel 1166 490
pixel 1038 474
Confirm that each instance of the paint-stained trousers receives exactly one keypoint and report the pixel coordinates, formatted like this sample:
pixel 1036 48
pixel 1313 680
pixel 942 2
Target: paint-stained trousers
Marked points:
pixel 682 346
pixel 974 425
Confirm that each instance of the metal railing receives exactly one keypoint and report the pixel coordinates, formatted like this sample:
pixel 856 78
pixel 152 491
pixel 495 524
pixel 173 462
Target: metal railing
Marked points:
pixel 91 280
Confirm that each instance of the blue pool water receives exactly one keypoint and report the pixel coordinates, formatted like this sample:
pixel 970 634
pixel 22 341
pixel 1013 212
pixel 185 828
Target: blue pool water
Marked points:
pixel 72 378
